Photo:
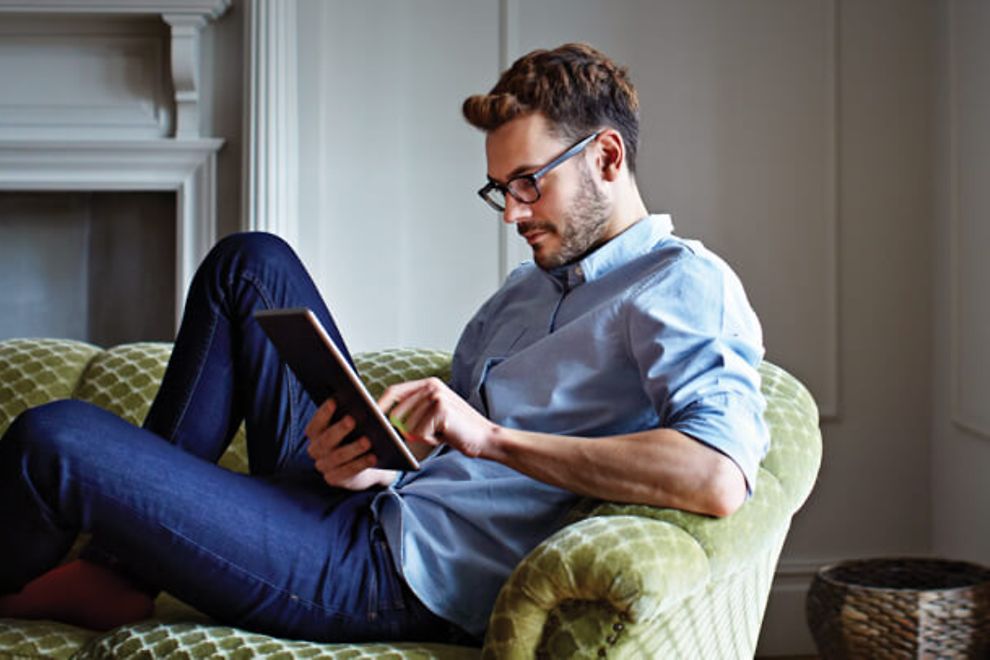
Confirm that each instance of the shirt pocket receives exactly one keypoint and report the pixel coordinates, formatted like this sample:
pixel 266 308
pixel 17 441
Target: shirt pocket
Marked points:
pixel 495 351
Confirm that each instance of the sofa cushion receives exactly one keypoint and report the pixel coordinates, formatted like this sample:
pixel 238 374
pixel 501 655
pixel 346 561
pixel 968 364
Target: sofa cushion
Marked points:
pixel 190 640
pixel 35 371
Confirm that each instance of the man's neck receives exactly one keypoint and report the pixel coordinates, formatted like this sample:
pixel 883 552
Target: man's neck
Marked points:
pixel 628 209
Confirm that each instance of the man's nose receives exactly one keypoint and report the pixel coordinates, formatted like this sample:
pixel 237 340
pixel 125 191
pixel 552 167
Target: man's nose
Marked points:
pixel 515 210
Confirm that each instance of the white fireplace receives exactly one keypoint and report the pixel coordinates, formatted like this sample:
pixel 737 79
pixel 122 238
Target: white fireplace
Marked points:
pixel 98 98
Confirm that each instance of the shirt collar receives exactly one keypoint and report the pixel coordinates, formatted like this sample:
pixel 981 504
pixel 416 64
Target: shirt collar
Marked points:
pixel 637 240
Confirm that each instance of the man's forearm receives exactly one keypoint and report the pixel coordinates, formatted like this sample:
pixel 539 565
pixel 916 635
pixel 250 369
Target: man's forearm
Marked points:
pixel 660 467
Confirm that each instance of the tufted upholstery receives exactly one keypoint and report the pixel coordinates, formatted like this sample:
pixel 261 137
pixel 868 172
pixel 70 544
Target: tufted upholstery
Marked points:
pixel 619 581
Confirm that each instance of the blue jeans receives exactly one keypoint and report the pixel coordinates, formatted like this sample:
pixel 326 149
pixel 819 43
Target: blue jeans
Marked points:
pixel 277 551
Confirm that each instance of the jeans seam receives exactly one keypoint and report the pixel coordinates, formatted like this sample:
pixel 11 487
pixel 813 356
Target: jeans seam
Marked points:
pixel 201 362
pixel 269 303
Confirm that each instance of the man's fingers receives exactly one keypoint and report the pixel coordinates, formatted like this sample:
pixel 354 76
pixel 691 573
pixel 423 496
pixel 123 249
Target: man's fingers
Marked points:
pixel 409 396
pixel 328 439
pixel 347 453
pixel 396 395
pixel 419 418
pixel 320 419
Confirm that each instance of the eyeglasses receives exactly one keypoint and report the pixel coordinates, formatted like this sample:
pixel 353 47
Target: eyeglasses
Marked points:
pixel 524 187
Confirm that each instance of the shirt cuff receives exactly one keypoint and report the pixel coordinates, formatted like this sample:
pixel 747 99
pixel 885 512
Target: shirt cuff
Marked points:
pixel 731 424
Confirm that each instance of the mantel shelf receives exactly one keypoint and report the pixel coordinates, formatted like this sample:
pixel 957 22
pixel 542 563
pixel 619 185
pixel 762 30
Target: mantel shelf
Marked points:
pixel 205 8
pixel 163 164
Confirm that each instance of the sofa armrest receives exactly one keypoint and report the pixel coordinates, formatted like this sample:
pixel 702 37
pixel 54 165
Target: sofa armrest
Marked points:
pixel 632 566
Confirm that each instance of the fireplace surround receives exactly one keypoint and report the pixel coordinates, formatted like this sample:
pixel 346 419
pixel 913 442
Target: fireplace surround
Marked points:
pixel 102 96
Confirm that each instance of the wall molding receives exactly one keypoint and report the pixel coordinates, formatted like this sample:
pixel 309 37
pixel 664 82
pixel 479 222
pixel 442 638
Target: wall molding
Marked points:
pixel 959 417
pixel 187 167
pixel 147 115
pixel 830 402
pixel 800 568
pixel 271 122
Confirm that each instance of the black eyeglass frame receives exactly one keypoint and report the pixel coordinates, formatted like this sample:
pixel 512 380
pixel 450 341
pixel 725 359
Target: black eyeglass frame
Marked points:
pixel 533 177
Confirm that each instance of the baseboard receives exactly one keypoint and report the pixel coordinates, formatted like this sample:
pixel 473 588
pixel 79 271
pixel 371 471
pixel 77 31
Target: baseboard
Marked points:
pixel 785 629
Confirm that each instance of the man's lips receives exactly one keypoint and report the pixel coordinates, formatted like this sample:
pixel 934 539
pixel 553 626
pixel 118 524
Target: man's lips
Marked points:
pixel 532 234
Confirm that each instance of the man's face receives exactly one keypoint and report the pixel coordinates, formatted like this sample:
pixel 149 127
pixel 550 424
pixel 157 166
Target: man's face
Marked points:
pixel 572 215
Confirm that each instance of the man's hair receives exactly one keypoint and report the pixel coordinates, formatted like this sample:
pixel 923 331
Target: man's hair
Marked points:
pixel 578 88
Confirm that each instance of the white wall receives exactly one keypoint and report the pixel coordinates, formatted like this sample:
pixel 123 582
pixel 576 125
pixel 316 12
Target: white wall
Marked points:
pixel 402 248
pixel 961 431
pixel 792 136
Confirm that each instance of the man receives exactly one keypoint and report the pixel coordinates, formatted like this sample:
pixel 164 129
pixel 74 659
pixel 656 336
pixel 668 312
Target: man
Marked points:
pixel 621 365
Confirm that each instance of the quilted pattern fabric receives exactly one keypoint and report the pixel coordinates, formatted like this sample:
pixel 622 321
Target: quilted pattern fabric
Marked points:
pixel 125 379
pixel 40 639
pixel 379 369
pixel 619 581
pixel 634 566
pixel 184 640
pixel 34 371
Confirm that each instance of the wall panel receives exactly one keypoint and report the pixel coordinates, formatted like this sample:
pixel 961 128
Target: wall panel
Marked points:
pixel 969 211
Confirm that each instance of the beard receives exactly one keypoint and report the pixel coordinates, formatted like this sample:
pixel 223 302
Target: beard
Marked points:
pixel 581 228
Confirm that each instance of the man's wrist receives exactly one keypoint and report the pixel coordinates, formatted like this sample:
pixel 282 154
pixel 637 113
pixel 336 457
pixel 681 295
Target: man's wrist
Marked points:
pixel 498 444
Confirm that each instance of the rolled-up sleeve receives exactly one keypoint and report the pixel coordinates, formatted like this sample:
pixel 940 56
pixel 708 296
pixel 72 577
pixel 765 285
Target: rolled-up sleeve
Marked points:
pixel 698 344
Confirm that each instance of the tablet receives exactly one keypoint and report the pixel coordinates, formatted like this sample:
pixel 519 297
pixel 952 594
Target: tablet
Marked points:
pixel 304 345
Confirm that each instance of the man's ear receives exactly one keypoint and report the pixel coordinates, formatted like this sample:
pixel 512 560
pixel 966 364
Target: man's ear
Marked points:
pixel 611 154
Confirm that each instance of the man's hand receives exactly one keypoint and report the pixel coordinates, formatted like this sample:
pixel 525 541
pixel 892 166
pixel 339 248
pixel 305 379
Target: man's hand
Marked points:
pixel 433 413
pixel 349 466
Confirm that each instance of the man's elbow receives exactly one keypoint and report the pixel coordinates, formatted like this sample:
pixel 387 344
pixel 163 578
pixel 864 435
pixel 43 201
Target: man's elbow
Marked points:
pixel 726 488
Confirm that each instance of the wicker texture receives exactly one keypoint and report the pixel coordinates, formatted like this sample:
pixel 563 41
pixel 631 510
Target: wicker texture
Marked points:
pixel 621 581
pixel 901 608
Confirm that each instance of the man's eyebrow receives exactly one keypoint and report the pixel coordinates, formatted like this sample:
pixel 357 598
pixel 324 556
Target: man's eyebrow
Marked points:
pixel 516 172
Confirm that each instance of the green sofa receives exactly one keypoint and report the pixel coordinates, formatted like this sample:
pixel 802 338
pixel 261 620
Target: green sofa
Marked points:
pixel 618 581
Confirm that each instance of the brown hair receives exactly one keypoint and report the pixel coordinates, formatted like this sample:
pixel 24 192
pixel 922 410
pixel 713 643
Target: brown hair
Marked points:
pixel 578 88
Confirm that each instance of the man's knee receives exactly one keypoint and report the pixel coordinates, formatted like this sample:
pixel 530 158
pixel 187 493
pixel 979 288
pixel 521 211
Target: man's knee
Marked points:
pixel 45 429
pixel 245 249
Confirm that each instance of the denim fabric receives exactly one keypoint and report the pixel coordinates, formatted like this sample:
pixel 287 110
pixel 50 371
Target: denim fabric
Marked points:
pixel 278 551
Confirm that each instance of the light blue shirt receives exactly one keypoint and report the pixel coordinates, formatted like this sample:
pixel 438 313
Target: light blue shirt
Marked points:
pixel 648 331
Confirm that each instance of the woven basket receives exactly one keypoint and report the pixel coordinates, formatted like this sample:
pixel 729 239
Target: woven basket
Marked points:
pixel 901 608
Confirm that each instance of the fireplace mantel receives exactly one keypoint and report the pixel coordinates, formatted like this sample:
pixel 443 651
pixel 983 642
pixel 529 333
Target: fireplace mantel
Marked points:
pixel 115 106
pixel 204 8
pixel 185 19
